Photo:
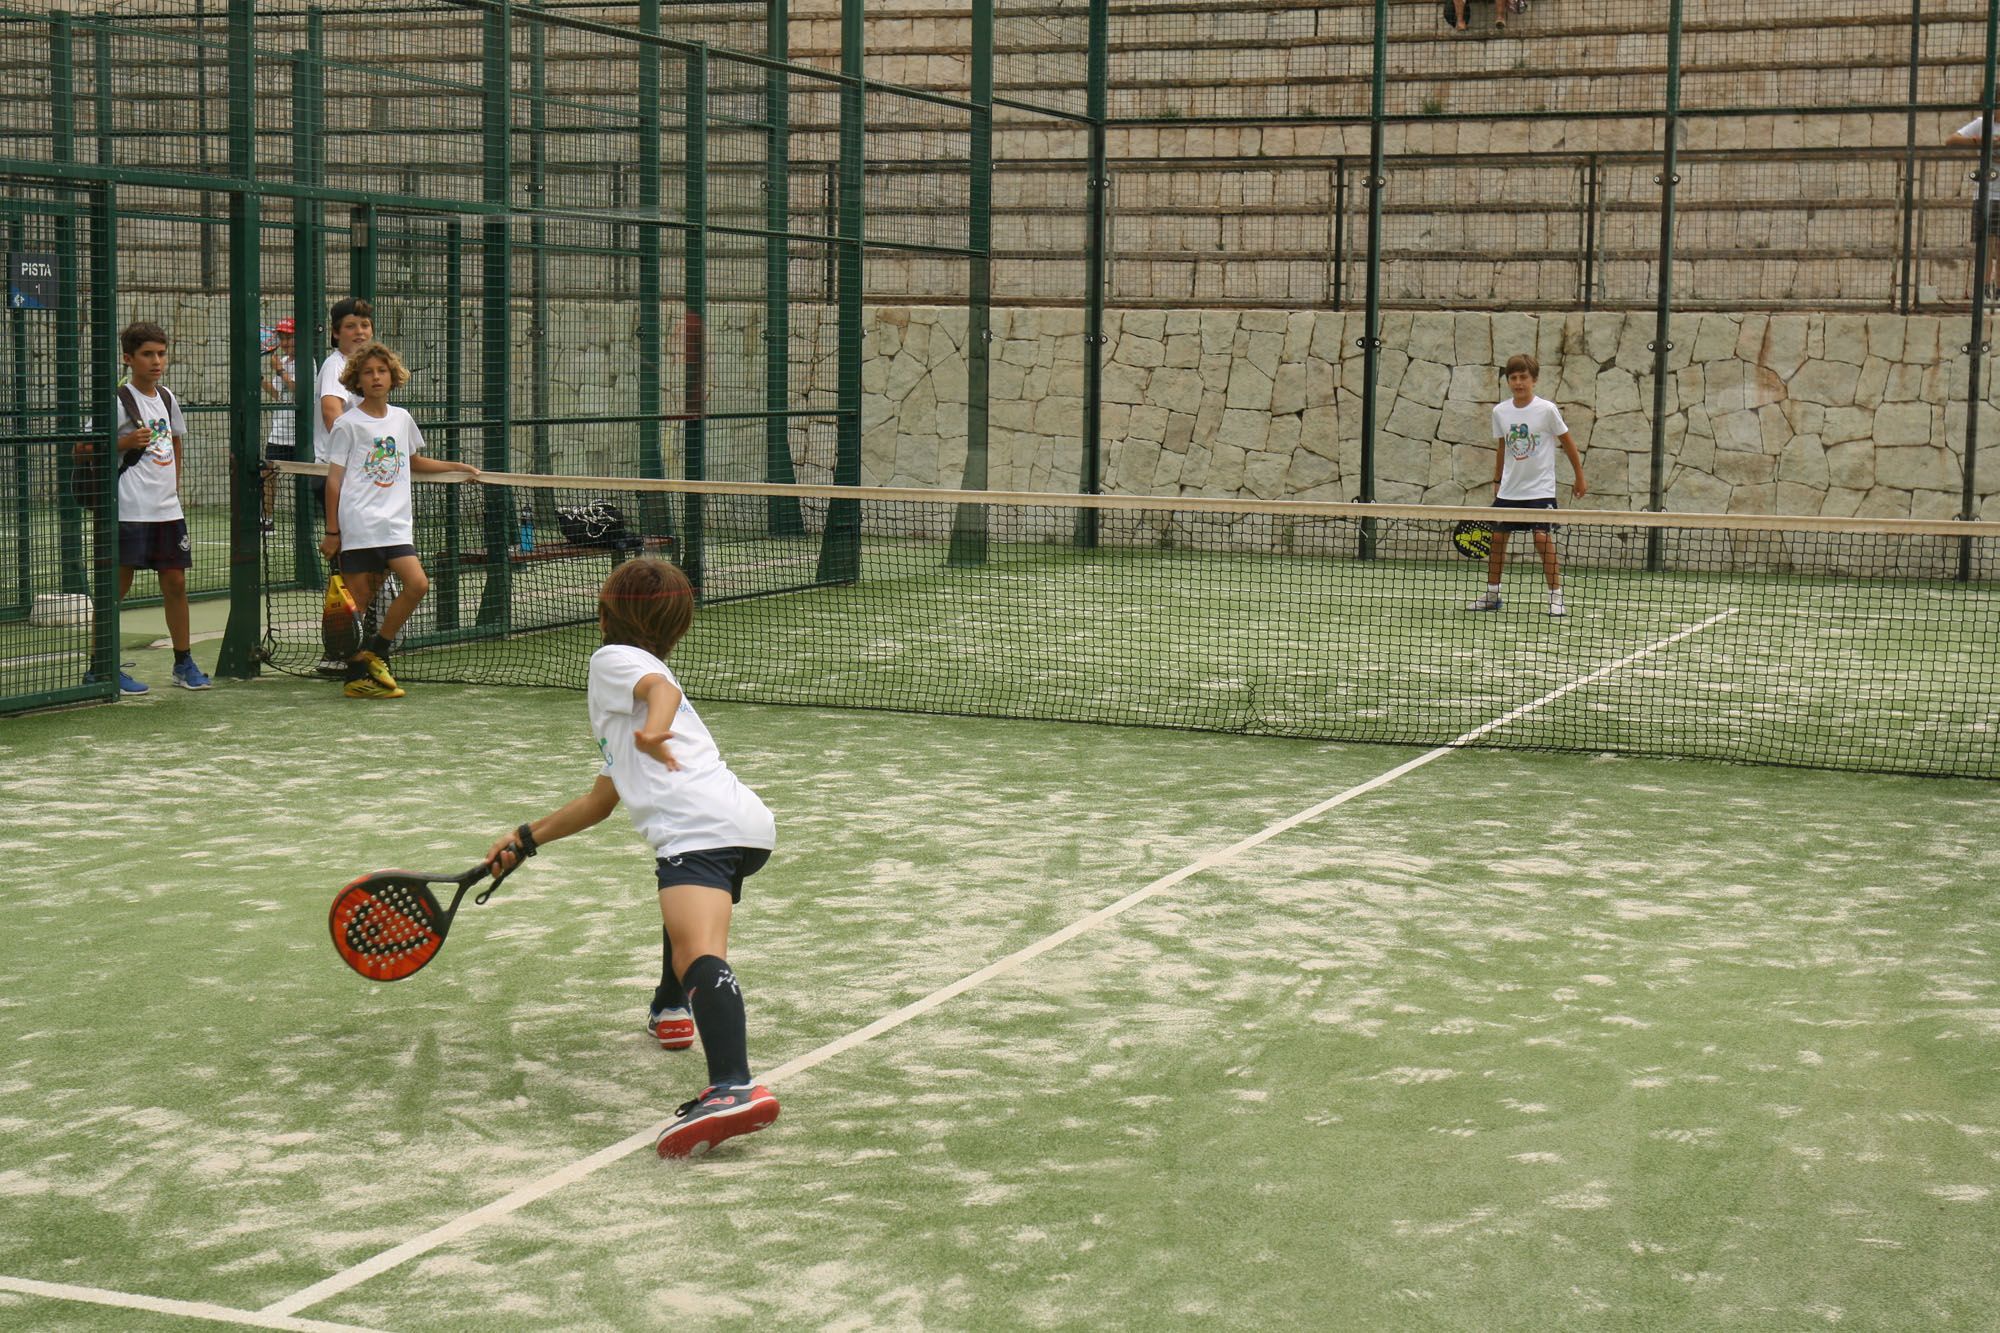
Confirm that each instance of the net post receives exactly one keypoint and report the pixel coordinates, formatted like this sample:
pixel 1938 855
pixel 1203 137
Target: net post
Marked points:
pixel 694 320
pixel 496 313
pixel 308 283
pixel 1978 346
pixel 1371 342
pixel 1095 257
pixel 840 544
pixel 655 519
pixel 781 514
pixel 968 526
pixel 1656 489
pixel 236 659
pixel 445 578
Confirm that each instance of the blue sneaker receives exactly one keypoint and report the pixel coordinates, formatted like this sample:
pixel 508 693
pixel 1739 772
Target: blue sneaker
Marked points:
pixel 191 677
pixel 126 685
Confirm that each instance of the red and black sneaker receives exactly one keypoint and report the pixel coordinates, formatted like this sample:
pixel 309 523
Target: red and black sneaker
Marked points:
pixel 672 1028
pixel 719 1113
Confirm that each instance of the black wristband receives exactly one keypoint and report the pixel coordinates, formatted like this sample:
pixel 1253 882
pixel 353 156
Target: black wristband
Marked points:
pixel 526 836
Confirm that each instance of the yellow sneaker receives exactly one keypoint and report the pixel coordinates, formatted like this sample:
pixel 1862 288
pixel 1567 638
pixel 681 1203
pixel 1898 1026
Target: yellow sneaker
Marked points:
pixel 378 671
pixel 369 688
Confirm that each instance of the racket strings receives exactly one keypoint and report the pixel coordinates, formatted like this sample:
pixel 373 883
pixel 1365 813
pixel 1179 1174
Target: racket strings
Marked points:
pixel 386 930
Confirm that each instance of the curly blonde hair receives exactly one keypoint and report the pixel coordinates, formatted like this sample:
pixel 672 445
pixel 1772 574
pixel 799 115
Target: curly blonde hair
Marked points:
pixel 350 376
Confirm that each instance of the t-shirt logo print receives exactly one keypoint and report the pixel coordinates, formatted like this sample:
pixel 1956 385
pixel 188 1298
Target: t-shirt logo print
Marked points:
pixel 384 462
pixel 160 449
pixel 1520 440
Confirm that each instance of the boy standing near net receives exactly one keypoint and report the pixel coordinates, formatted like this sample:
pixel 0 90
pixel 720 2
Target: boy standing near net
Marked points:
pixel 708 833
pixel 152 528
pixel 370 529
pixel 1526 431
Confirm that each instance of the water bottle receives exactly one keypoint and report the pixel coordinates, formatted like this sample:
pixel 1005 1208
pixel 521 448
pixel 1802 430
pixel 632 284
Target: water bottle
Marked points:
pixel 527 528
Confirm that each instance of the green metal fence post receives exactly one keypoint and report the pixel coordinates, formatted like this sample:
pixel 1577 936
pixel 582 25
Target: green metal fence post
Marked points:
pixel 654 513
pixel 1370 340
pixel 694 320
pixel 1095 342
pixel 968 526
pixel 538 266
pixel 1907 262
pixel 309 307
pixel 101 388
pixel 361 251
pixel 1669 178
pixel 100 71
pixel 69 312
pixel 1977 345
pixel 237 656
pixel 496 307
pixel 840 544
pixel 446 581
pixel 19 410
pixel 782 512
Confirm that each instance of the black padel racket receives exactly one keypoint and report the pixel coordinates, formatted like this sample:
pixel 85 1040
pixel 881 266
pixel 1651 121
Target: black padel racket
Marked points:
pixel 387 925
pixel 1473 540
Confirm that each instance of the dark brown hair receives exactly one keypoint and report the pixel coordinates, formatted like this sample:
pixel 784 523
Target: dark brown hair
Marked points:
pixel 350 377
pixel 352 305
pixel 648 604
pixel 1522 361
pixel 138 335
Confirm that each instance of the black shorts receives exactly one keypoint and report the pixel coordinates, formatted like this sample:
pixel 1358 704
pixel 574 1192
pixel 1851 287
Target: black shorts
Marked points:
pixel 722 868
pixel 1549 503
pixel 161 545
pixel 372 559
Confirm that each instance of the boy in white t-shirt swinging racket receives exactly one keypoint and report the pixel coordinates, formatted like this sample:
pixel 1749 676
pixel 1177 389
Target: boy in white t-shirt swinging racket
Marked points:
pixel 708 833
pixel 371 452
pixel 1526 431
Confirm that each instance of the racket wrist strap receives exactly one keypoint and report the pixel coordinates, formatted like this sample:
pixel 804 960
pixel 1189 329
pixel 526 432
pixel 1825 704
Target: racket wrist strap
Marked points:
pixel 526 837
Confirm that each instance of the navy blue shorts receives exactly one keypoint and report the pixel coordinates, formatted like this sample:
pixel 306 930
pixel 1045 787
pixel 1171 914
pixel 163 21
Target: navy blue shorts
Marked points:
pixel 722 868
pixel 372 559
pixel 1549 503
pixel 161 545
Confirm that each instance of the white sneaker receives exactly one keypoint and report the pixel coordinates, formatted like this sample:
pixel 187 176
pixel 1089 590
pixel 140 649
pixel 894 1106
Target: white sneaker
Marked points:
pixel 1486 601
pixel 1556 608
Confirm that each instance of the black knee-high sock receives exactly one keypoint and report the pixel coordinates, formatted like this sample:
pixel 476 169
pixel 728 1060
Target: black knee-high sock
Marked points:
pixel 718 1015
pixel 668 994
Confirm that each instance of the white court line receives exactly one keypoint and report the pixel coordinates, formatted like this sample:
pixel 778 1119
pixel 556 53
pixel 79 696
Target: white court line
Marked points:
pixel 529 1193
pixel 218 1314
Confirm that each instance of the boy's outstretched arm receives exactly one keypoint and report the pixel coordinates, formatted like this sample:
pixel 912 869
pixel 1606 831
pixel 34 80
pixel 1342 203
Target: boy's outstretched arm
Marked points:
pixel 580 814
pixel 1578 487
pixel 425 463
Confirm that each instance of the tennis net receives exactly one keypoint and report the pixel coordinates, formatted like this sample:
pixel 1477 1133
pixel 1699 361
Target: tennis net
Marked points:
pixel 1857 644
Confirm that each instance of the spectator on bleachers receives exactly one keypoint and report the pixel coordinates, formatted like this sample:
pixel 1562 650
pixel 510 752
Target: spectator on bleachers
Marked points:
pixel 1456 10
pixel 1984 212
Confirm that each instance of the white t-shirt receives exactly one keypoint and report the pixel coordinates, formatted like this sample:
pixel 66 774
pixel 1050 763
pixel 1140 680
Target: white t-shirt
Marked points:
pixel 1972 129
pixel 285 416
pixel 375 486
pixel 698 807
pixel 1528 434
pixel 328 385
pixel 149 490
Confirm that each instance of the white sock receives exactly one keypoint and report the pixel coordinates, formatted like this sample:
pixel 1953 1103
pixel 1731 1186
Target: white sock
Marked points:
pixel 1493 588
pixel 1555 596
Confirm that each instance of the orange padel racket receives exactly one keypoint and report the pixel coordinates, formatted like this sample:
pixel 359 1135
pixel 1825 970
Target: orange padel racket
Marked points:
pixel 387 925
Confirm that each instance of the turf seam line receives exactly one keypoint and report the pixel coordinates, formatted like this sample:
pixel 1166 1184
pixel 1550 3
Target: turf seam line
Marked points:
pixel 575 1171
pixel 125 1300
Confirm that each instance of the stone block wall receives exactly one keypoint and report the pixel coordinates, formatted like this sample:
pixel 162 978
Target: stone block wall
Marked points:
pixel 1766 413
